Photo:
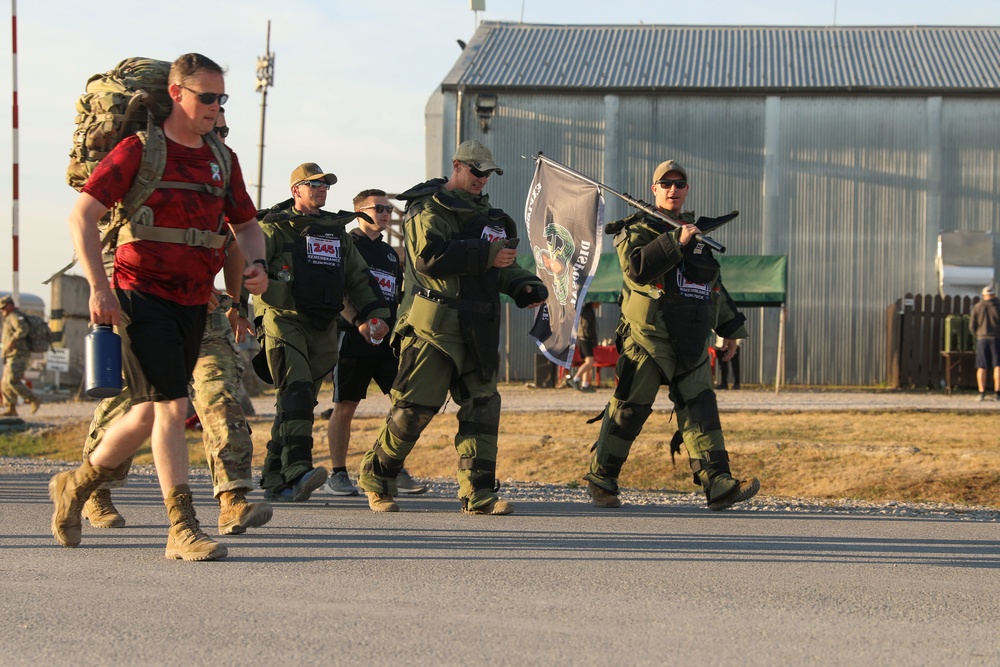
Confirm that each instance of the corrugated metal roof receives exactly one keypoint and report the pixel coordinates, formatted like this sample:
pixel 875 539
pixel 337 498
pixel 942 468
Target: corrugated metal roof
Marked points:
pixel 726 58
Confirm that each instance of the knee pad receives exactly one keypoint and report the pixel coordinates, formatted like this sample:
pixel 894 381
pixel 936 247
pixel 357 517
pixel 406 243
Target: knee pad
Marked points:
pixel 482 473
pixel 485 417
pixel 703 411
pixel 384 465
pixel 408 420
pixel 712 463
pixel 629 419
pixel 298 448
pixel 297 402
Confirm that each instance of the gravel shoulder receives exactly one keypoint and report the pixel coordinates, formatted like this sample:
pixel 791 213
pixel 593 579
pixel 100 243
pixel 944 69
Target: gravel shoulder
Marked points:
pixel 522 398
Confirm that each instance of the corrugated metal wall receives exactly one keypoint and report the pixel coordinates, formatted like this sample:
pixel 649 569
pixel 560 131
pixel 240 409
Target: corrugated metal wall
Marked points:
pixel 859 187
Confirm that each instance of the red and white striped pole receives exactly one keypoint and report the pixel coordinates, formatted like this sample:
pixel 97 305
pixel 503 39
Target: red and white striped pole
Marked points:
pixel 15 290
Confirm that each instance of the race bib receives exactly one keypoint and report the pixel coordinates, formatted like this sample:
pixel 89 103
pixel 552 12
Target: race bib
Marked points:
pixel 387 282
pixel 492 234
pixel 693 290
pixel 324 250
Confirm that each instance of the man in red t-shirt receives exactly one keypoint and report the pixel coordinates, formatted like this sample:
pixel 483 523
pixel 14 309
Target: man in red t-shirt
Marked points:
pixel 158 299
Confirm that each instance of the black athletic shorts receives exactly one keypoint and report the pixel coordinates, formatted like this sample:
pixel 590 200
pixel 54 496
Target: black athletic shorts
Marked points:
pixel 353 374
pixel 987 353
pixel 586 347
pixel 160 344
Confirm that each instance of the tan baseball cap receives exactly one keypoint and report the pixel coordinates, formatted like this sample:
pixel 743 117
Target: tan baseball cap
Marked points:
pixel 5 299
pixel 988 291
pixel 310 171
pixel 476 155
pixel 665 168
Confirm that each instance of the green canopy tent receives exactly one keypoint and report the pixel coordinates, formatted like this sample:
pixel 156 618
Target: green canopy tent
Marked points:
pixel 752 281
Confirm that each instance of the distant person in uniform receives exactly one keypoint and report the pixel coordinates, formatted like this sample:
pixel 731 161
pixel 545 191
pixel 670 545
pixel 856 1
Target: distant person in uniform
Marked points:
pixel 725 365
pixel 985 326
pixel 16 355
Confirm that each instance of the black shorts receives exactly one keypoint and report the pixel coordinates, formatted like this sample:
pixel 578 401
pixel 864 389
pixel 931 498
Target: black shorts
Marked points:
pixel 987 352
pixel 353 374
pixel 160 344
pixel 586 347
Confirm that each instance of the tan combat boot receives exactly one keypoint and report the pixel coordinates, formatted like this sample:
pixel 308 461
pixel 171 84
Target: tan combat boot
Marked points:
pixel 495 507
pixel 381 502
pixel 35 404
pixel 602 498
pixel 101 512
pixel 69 491
pixel 186 541
pixel 11 411
pixel 236 514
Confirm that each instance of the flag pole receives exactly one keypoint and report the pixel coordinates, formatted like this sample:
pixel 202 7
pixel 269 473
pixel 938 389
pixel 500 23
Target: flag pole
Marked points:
pixel 632 201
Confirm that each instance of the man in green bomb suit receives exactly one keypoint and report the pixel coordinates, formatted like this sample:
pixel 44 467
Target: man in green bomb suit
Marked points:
pixel 459 258
pixel 313 265
pixel 672 299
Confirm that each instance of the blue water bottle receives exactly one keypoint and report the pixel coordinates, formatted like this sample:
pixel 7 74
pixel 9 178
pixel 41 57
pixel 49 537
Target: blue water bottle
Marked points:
pixel 104 362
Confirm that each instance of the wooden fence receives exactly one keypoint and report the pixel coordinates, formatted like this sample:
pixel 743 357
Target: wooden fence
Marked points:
pixel 915 335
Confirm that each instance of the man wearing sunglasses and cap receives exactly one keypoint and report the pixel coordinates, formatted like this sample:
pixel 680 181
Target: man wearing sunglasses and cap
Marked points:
pixel 164 266
pixel 672 299
pixel 459 258
pixel 314 266
pixel 362 359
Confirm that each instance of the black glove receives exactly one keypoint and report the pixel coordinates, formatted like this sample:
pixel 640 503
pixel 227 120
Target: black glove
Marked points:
pixel 538 294
pixel 708 224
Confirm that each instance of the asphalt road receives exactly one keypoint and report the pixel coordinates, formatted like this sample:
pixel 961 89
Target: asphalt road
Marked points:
pixel 329 582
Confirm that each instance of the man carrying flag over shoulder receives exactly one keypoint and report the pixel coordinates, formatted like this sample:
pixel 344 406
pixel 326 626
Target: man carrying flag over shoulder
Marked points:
pixel 672 299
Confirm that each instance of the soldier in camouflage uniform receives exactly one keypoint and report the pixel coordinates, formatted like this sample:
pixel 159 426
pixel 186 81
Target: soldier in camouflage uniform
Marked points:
pixel 16 355
pixel 672 299
pixel 214 393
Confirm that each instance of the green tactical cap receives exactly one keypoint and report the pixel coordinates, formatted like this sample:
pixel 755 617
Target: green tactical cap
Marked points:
pixel 665 168
pixel 476 155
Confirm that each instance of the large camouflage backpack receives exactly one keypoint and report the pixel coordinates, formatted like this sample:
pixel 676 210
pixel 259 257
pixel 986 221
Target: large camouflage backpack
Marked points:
pixel 133 98
pixel 118 103
pixel 40 336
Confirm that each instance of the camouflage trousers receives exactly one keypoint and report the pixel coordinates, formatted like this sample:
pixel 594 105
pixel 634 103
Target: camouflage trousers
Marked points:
pixel 13 374
pixel 213 392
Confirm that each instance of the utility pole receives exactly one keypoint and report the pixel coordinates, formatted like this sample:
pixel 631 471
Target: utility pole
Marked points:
pixel 15 289
pixel 265 79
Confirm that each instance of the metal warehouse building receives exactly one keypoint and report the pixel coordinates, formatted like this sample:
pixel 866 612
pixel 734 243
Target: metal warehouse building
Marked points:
pixel 848 149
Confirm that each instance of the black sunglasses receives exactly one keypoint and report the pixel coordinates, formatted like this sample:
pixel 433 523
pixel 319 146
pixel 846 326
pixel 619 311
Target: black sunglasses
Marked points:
pixel 222 131
pixel 208 98
pixel 476 172
pixel 679 183
pixel 379 208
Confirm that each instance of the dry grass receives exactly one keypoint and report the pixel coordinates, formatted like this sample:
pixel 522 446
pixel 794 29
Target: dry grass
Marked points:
pixel 932 457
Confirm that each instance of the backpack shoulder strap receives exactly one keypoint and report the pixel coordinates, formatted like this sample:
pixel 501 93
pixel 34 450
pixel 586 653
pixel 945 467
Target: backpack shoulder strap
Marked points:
pixel 147 179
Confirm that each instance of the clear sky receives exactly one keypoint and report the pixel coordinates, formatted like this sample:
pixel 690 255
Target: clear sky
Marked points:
pixel 351 81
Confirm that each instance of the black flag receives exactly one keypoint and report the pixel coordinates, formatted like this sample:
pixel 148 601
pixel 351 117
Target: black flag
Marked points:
pixel 563 216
